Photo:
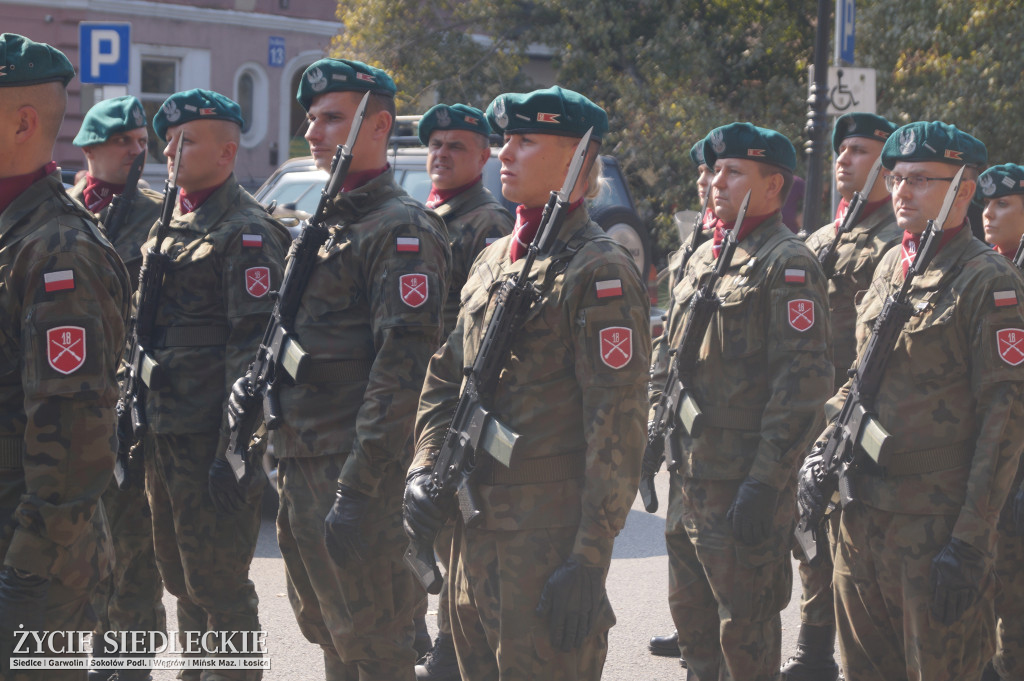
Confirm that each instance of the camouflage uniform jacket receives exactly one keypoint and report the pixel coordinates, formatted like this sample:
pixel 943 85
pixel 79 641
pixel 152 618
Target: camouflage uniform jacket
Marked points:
pixel 142 215
pixel 475 219
pixel 371 317
pixel 764 369
pixel 64 295
pixel 573 388
pixel 951 393
pixel 858 253
pixel 226 257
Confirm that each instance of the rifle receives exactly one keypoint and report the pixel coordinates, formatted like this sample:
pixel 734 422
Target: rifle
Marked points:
pixel 677 406
pixel 121 204
pixel 279 349
pixel 1018 258
pixel 857 428
pixel 473 428
pixel 697 236
pixel 828 257
pixel 140 369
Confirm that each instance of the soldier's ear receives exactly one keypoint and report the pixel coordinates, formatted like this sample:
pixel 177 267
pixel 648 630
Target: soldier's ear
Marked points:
pixel 27 118
pixel 381 122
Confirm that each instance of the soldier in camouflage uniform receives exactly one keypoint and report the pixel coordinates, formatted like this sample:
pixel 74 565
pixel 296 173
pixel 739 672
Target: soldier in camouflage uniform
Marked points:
pixel 763 373
pixel 370 319
pixel 113 134
pixel 458 147
pixel 1002 190
pixel 675 530
pixel 226 256
pixel 913 577
pixel 573 389
pixel 857 140
pixel 64 295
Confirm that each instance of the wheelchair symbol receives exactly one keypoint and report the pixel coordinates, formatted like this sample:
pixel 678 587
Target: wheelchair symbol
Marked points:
pixel 840 95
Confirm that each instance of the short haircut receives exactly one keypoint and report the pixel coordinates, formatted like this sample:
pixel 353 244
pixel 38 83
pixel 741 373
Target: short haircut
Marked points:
pixel 378 103
pixel 787 179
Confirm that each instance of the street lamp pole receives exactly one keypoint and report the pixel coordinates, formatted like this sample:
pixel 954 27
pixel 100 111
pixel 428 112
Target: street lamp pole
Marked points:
pixel 816 130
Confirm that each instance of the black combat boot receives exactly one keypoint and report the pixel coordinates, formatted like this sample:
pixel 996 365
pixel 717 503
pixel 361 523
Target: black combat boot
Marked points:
pixel 815 658
pixel 666 646
pixel 439 664
pixel 97 651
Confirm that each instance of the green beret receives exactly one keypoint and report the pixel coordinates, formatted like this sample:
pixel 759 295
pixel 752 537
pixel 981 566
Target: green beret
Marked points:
pixel 747 141
pixel 697 154
pixel 194 105
pixel 861 125
pixel 108 118
pixel 454 117
pixel 1001 181
pixel 552 111
pixel 934 141
pixel 24 62
pixel 342 75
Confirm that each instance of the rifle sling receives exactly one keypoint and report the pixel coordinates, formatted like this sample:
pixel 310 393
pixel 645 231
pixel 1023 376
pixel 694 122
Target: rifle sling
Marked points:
pixel 12 450
pixel 531 471
pixel 189 336
pixel 930 460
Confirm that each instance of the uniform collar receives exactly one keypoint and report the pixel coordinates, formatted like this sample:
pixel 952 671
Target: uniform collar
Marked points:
pixel 13 187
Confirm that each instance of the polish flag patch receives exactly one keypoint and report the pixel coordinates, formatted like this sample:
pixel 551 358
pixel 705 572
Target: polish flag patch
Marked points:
pixel 1011 345
pixel 413 289
pixel 801 314
pixel 252 240
pixel 407 244
pixel 1001 298
pixel 609 288
pixel 60 280
pixel 65 348
pixel 796 276
pixel 257 281
pixel 616 346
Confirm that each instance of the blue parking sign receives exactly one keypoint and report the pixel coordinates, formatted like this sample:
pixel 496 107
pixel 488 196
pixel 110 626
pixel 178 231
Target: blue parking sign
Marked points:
pixel 104 52
pixel 275 51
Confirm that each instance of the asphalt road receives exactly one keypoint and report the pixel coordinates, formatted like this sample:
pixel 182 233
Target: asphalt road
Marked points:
pixel 637 587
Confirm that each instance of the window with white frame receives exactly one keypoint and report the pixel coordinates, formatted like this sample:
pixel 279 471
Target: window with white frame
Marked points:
pixel 251 93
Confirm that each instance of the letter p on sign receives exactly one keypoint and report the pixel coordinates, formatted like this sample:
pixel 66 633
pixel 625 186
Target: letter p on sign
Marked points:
pixel 104 52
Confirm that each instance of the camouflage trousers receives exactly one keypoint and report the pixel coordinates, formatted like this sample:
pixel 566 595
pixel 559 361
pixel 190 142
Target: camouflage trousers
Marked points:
pixel 495 585
pixel 203 557
pixel 730 596
pixel 361 614
pixel 883 591
pixel 817 604
pixel 66 610
pixel 131 598
pixel 680 577
pixel 1009 605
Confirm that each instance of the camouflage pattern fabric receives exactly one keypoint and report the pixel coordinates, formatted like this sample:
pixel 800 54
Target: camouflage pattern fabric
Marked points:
pixel 763 372
pixel 203 557
pixel 882 589
pixel 225 258
pixel 1009 603
pixel 373 307
pixel 475 219
pixel 131 599
pixel 361 616
pixel 954 381
pixel 573 389
pixel 857 256
pixel 142 214
pixel 64 295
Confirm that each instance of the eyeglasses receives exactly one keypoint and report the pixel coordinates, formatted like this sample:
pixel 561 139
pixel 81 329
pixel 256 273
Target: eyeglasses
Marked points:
pixel 914 181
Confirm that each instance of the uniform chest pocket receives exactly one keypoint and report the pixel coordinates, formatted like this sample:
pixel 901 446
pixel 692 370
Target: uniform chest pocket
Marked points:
pixel 739 325
pixel 474 309
pixel 936 349
pixel 333 286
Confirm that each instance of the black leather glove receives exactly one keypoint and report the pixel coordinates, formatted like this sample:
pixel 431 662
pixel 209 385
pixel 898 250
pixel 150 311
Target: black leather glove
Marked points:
pixel 811 502
pixel 422 516
pixel 753 511
pixel 956 574
pixel 1018 511
pixel 569 602
pixel 653 456
pixel 341 526
pixel 227 492
pixel 22 602
pixel 240 403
